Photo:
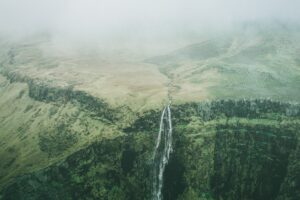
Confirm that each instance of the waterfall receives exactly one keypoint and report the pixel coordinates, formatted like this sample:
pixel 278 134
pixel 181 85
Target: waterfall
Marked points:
pixel 162 152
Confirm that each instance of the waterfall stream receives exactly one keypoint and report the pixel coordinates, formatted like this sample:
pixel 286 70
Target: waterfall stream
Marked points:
pixel 162 151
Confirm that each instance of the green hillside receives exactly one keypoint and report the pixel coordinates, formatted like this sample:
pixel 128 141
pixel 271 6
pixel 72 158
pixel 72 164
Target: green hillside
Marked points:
pixel 82 124
pixel 250 64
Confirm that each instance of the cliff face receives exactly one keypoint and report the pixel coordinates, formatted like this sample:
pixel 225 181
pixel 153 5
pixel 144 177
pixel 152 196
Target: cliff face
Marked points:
pixel 250 162
pixel 227 149
pixel 40 91
pixel 105 170
pixel 41 125
pixel 79 124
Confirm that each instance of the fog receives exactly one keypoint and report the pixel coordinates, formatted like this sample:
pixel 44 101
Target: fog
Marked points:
pixel 131 20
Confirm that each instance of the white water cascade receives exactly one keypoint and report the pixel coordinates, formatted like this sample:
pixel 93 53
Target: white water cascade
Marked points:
pixel 162 152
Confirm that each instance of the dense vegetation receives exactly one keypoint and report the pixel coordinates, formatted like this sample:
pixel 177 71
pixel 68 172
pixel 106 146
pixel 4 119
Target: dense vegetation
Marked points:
pixel 225 149
pixel 84 126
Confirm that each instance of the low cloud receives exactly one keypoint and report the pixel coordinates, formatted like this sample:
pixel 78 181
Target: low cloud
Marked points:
pixel 119 19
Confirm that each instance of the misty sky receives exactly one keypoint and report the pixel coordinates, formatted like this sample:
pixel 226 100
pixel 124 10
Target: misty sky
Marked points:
pixel 90 15
pixel 136 18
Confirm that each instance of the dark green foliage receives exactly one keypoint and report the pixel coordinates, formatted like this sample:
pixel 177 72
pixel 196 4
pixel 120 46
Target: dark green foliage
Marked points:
pixel 97 107
pixel 174 184
pixel 246 149
pixel 250 162
pixel 149 121
pixel 289 190
pixel 96 172
pixel 128 158
pixel 57 140
pixel 246 108
pixel 40 91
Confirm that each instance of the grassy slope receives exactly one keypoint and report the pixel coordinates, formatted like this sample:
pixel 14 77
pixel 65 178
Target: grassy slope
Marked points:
pixel 251 64
pixel 35 134
pixel 118 81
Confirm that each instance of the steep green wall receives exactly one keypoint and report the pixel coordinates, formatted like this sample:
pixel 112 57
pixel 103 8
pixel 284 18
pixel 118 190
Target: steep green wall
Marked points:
pixel 37 133
pixel 245 149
